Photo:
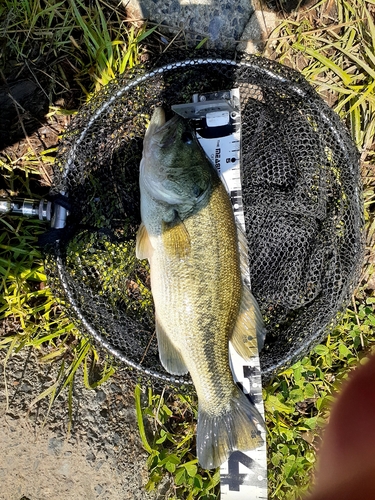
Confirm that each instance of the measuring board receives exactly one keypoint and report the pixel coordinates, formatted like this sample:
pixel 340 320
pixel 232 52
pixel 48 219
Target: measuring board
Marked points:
pixel 216 118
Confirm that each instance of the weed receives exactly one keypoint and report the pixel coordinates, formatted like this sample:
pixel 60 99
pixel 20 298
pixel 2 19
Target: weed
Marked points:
pixel 89 41
pixel 298 401
pixel 171 446
pixel 29 313
pixel 332 44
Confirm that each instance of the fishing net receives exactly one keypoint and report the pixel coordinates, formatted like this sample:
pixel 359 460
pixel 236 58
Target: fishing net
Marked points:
pixel 301 197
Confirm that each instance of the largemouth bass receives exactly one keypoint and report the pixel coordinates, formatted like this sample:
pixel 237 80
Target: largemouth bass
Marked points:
pixel 188 234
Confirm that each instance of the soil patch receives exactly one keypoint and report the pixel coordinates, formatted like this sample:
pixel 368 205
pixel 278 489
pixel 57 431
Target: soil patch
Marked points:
pixel 100 457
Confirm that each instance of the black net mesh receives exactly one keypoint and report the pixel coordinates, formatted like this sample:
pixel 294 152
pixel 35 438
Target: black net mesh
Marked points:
pixel 302 203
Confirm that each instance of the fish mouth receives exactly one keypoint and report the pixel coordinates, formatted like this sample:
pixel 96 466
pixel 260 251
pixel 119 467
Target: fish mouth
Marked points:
pixel 159 124
pixel 158 118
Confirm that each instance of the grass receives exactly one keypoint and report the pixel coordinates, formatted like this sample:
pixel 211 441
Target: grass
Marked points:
pixel 83 47
pixel 337 57
pixel 80 42
pixel 170 443
pixel 30 314
pixel 297 402
pixel 333 44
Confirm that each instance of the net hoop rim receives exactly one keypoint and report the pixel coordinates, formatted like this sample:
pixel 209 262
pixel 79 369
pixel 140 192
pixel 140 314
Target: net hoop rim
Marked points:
pixel 301 88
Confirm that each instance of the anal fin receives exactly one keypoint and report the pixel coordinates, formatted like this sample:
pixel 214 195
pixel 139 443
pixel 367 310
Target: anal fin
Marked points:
pixel 170 356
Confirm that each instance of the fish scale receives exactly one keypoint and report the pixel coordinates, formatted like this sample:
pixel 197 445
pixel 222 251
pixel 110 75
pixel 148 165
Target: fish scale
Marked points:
pixel 202 278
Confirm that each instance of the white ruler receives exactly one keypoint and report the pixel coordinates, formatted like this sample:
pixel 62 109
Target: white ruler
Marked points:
pixel 217 119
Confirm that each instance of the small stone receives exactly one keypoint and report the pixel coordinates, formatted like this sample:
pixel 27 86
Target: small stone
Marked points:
pixel 64 470
pixel 55 445
pixel 117 439
pixel 25 387
pixel 90 456
pixel 98 489
pixel 257 31
pixel 101 396
pixel 214 27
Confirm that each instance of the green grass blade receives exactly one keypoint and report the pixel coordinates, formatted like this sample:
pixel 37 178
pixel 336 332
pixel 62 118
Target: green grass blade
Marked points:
pixel 145 34
pixel 141 427
pixel 360 62
pixel 345 77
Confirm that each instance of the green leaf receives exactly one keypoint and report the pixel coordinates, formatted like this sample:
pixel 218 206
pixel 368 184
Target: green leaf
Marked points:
pixel 272 404
pixel 344 351
pixel 162 438
pixel 191 468
pixel 145 34
pixel 361 63
pixel 141 426
pixel 309 391
pixel 346 78
pixel 170 458
pixel 290 467
pixel 180 476
pixel 297 372
pixel 198 481
pixel 201 43
pixel 171 467
pixel 310 422
pixel 321 350
pixel 165 412
pixel 297 395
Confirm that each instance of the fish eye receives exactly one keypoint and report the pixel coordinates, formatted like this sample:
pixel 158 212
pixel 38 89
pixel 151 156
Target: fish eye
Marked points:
pixel 187 137
pixel 197 191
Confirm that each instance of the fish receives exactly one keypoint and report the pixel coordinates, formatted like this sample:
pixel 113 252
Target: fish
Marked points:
pixel 189 235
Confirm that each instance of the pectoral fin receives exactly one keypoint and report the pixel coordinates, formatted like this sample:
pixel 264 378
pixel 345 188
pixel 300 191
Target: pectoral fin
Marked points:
pixel 143 247
pixel 249 332
pixel 176 238
pixel 170 356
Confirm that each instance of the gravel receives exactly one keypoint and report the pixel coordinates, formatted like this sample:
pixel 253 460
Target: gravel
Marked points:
pixel 99 456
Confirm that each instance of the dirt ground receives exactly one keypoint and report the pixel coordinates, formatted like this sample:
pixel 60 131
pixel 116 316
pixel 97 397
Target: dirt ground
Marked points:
pixel 100 457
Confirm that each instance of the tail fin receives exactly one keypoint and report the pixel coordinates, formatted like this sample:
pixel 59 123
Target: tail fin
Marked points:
pixel 219 435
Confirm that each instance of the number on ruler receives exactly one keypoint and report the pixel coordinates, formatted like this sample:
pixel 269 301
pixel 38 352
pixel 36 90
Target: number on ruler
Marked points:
pixel 256 475
pixel 252 374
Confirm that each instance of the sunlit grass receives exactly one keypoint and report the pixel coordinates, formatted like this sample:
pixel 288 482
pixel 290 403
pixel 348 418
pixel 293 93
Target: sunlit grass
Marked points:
pixel 89 39
pixel 333 45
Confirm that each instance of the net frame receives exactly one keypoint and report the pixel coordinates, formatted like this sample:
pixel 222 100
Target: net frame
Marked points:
pixel 265 74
